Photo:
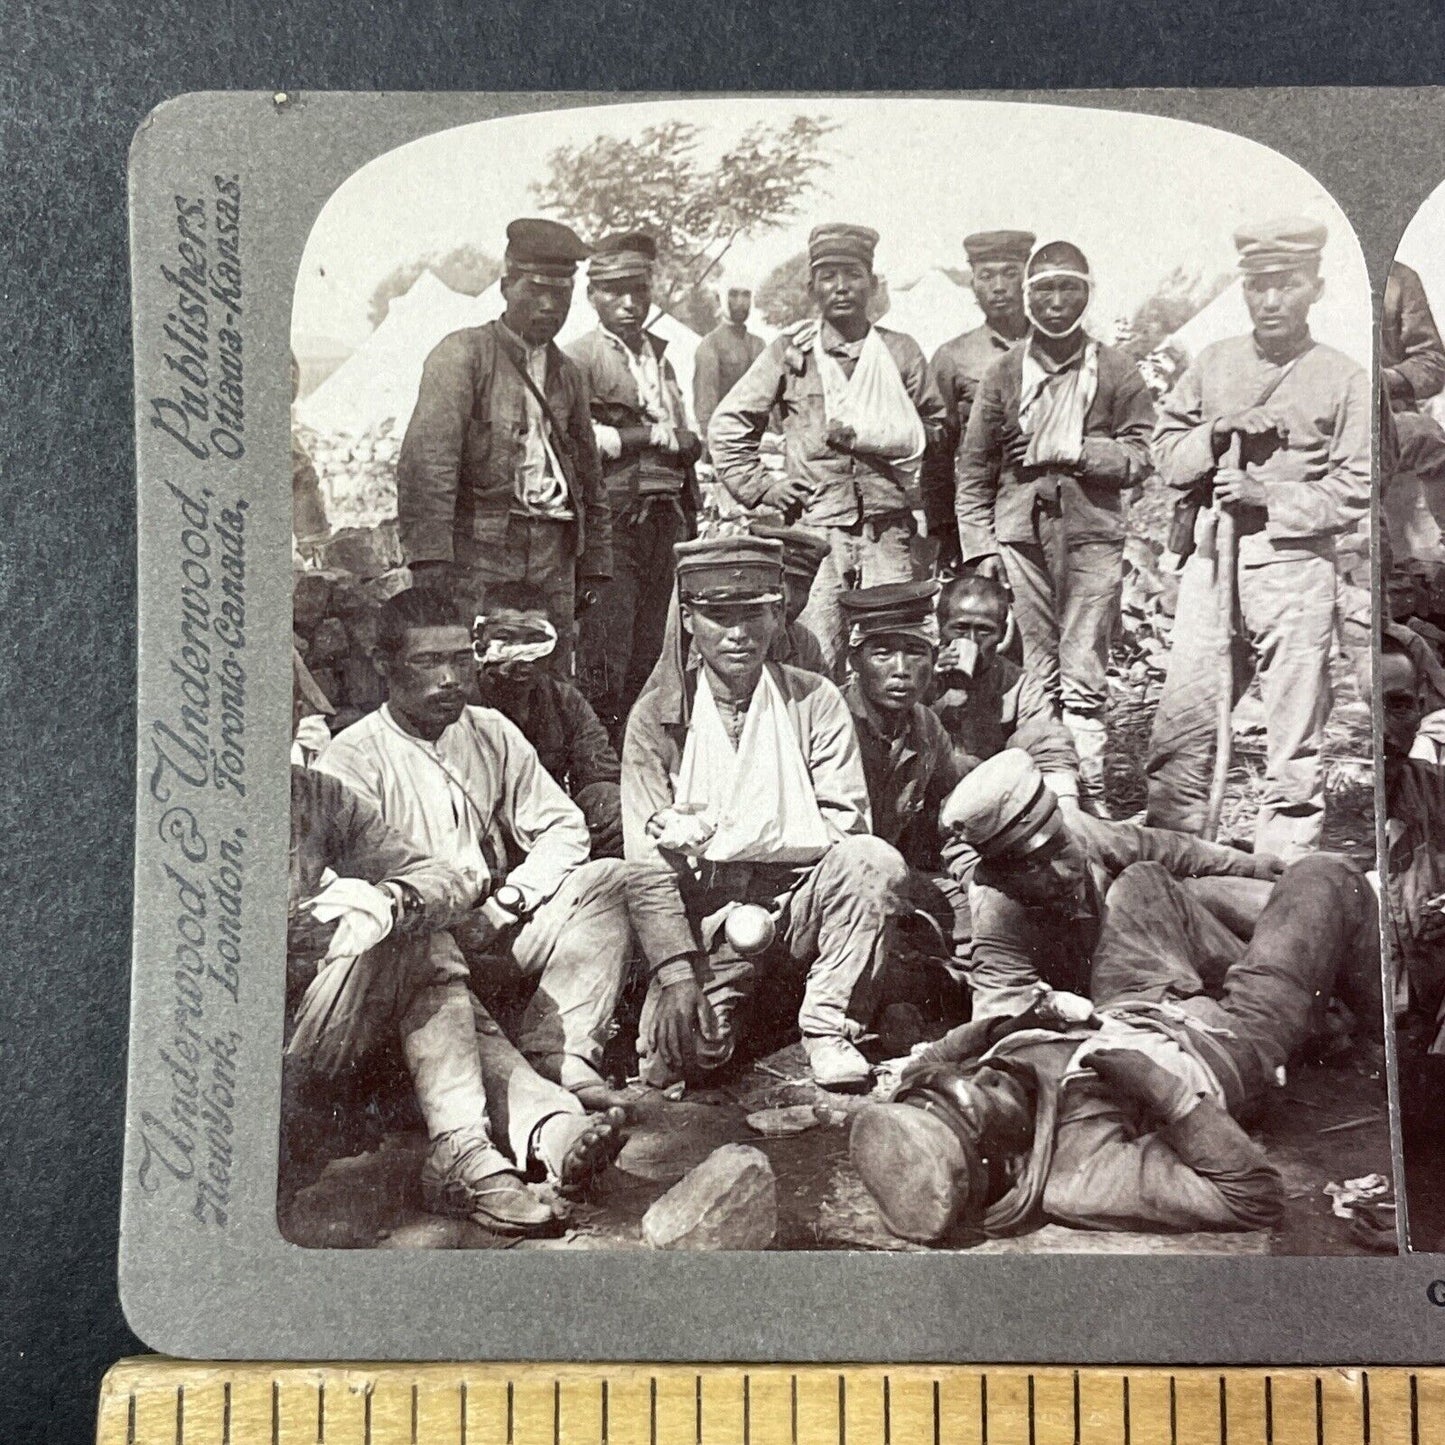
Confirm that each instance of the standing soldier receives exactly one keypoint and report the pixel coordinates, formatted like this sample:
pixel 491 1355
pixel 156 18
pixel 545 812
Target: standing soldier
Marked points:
pixel 1058 433
pixel 1301 412
pixel 723 356
pixel 858 406
pixel 498 479
pixel 648 453
pixel 997 259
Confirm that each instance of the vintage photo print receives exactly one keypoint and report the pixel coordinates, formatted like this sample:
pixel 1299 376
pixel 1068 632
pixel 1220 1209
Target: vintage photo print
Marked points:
pixel 1412 696
pixel 765 773
pixel 828 650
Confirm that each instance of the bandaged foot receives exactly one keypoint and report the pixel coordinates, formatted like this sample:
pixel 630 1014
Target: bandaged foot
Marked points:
pixel 460 1178
pixel 836 1064
pixel 577 1149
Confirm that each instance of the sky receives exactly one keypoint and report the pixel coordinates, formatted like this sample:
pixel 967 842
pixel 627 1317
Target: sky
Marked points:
pixel 1140 194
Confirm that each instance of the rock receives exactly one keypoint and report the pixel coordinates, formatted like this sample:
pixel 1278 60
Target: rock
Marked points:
pixel 788 1119
pixel 365 551
pixel 730 1201
pixel 379 589
pixel 329 644
pixel 310 595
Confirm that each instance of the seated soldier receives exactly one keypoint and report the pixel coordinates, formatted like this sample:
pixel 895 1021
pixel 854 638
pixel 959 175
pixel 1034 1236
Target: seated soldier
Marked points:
pixel 803 554
pixel 1122 1115
pixel 742 785
pixel 1049 883
pixel 907 759
pixel 988 703
pixel 511 642
pixel 366 962
pixel 463 784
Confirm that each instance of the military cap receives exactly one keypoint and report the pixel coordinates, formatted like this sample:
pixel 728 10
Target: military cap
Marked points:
pixel 1279 245
pixel 906 607
pixel 985 246
pixel 803 553
pixel 1003 809
pixel 838 241
pixel 543 250
pixel 622 256
pixel 715 570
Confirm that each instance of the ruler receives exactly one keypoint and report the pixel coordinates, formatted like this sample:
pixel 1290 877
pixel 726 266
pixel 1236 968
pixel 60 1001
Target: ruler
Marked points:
pixel 154 1401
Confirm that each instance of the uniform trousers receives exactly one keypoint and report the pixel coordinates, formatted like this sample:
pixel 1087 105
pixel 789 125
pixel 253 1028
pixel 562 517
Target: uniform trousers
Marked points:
pixel 1284 629
pixel 1259 992
pixel 835 923
pixel 620 635
pixel 868 554
pixel 534 550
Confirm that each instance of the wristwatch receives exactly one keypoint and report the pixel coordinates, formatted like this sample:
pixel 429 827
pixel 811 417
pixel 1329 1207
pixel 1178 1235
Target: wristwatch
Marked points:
pixel 510 899
pixel 405 900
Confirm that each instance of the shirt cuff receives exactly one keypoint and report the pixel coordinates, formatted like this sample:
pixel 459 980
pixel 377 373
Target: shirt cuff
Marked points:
pixel 609 440
pixel 677 970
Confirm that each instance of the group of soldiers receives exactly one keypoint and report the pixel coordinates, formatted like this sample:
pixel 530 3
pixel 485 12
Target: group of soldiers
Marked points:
pixel 740 767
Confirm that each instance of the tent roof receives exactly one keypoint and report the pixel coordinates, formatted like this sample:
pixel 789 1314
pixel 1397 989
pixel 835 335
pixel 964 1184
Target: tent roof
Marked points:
pixel 934 309
pixel 379 381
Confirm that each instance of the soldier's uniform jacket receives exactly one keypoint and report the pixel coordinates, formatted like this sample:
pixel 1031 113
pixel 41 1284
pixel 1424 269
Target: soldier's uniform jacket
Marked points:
pixel 569 740
pixel 615 402
pixel 908 779
pixel 1317 484
pixel 1415 873
pixel 1409 339
pixel 334 827
pixel 958 368
pixel 997 500
pixel 1101 1162
pixel 844 488
pixel 1015 944
pixel 456 474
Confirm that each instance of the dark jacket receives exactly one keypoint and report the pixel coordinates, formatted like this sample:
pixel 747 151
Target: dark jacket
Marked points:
pixel 996 499
pixel 722 359
pixel 615 402
pixel 1410 342
pixel 844 487
pixel 456 475
pixel 1005 707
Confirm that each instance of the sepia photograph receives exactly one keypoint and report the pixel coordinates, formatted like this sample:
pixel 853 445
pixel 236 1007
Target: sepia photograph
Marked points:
pixel 831 653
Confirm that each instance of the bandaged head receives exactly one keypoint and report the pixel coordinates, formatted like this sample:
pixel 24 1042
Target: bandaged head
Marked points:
pixel 1056 260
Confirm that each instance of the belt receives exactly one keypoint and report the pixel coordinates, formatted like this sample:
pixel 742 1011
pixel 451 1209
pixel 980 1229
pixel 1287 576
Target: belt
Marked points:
pixel 870 527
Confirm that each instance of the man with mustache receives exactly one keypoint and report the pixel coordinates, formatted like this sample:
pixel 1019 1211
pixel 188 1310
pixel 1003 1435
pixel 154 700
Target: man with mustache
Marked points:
pixel 648 451
pixel 744 802
pixel 463 785
pixel 1057 437
pixel 851 454
pixel 498 478
pixel 997 260
pixel 1298 414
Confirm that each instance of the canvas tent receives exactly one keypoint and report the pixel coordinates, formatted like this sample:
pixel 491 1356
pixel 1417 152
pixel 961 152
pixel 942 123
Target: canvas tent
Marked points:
pixel 1227 315
pixel 934 309
pixel 378 382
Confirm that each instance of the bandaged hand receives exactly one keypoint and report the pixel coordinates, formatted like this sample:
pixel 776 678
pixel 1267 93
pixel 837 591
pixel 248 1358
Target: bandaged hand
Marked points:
pixel 1138 1077
pixel 840 437
pixel 1056 1008
pixel 362 912
pixel 680 832
pixel 663 437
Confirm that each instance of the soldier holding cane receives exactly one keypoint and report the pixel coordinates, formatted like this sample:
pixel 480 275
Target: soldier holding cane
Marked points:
pixel 1296 415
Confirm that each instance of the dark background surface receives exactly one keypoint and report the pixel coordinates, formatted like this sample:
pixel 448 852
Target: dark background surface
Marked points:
pixel 74 84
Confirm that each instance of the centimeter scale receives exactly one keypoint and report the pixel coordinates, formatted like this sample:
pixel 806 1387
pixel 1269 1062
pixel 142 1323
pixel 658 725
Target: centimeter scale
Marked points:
pixel 155 1401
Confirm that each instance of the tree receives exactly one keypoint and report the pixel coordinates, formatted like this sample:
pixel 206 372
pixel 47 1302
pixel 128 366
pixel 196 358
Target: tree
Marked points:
pixel 465 269
pixel 783 297
pixel 656 182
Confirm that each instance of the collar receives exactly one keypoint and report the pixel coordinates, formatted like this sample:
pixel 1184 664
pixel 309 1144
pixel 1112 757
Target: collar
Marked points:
pixel 1269 360
pixel 1048 363
pixel 650 342
pixel 528 351
pixel 834 343
pixel 869 716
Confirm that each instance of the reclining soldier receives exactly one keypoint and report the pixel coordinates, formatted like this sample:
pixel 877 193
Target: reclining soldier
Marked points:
pixel 1122 1114
pixel 1050 885
pixel 366 961
pixel 745 815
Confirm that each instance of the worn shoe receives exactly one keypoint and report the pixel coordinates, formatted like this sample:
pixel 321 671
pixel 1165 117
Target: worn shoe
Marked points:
pixel 460 1178
pixel 836 1064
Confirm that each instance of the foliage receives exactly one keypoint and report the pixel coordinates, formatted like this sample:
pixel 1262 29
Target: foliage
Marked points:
pixel 465 269
pixel 783 296
pixel 656 181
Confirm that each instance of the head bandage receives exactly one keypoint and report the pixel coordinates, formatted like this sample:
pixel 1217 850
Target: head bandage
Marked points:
pixel 1049 274
pixel 498 651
